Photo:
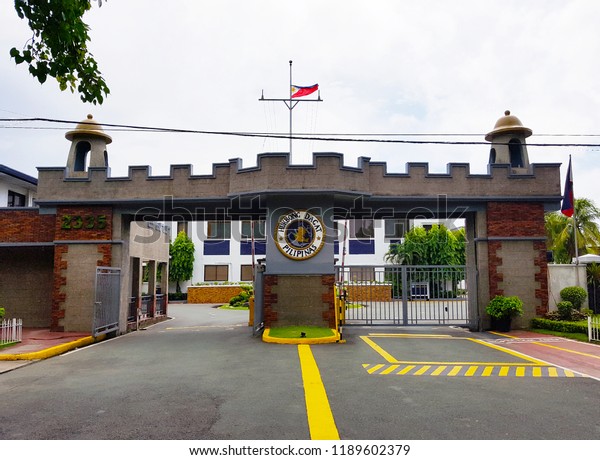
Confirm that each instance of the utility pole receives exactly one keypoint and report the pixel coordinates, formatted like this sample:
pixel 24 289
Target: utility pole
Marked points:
pixel 290 103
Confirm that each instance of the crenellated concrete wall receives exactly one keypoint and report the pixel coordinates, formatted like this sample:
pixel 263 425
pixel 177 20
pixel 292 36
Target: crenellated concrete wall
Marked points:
pixel 274 173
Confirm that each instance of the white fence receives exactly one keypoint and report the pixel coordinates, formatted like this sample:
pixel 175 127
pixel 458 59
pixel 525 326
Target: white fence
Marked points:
pixel 594 328
pixel 11 330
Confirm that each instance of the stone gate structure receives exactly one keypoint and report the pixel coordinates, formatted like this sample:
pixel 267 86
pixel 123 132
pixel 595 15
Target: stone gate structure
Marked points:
pixel 85 215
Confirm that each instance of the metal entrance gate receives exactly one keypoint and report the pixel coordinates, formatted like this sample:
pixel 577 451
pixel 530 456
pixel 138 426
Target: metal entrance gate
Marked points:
pixel 404 295
pixel 106 303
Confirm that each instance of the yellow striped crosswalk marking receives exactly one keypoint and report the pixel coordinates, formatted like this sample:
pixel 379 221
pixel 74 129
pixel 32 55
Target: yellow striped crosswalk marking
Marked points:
pixel 390 369
pixel 406 370
pixel 471 371
pixel 422 370
pixel 439 370
pixel 455 370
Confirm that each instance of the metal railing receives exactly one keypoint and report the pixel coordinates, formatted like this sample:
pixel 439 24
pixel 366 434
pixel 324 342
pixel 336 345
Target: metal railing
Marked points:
pixel 404 295
pixel 594 328
pixel 161 304
pixel 150 306
pixel 11 331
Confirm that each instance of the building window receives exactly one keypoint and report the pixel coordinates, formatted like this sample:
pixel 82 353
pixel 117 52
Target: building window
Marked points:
pixel 218 230
pixel 515 149
pixel 216 273
pixel 361 228
pixel 16 200
pixel 492 156
pixel 259 229
pixel 394 228
pixel 246 273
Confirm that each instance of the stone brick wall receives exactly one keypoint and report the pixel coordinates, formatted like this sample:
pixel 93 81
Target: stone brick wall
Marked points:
pixel 74 263
pixel 26 226
pixel 212 294
pixel 83 223
pixel 26 284
pixel 366 292
pixel 291 300
pixel 517 254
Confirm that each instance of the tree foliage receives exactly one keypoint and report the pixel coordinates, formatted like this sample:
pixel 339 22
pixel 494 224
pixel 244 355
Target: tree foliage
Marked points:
pixel 181 252
pixel 58 46
pixel 438 246
pixel 559 230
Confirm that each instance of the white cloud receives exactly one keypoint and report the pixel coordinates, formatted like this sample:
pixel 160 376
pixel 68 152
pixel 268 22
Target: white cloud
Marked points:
pixel 383 66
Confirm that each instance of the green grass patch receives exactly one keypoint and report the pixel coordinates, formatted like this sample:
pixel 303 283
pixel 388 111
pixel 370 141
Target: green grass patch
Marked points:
pixel 294 332
pixel 568 335
pixel 6 345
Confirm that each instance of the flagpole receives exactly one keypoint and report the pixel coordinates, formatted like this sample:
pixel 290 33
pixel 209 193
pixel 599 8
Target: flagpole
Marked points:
pixel 291 108
pixel 574 222
pixel 290 103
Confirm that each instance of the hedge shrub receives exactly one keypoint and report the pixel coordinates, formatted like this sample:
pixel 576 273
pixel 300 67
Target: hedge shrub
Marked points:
pixel 559 326
pixel 574 294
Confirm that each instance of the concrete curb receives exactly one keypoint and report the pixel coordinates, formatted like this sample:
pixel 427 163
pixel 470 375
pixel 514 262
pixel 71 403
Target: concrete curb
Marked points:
pixel 314 341
pixel 53 351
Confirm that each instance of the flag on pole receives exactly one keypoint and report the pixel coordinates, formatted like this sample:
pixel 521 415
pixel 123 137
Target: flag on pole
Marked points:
pixel 568 203
pixel 299 91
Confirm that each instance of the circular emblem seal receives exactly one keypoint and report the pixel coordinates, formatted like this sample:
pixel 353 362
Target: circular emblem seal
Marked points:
pixel 299 235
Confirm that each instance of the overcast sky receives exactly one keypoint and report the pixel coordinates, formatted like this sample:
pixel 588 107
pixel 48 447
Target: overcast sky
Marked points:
pixel 383 66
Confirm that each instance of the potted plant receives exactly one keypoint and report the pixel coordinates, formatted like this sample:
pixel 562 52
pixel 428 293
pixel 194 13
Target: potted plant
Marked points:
pixel 502 310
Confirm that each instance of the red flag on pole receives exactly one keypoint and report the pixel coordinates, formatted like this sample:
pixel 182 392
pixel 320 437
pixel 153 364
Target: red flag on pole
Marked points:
pixel 299 91
pixel 568 203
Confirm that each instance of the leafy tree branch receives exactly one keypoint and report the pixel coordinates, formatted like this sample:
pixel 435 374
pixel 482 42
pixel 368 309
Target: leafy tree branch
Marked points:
pixel 58 47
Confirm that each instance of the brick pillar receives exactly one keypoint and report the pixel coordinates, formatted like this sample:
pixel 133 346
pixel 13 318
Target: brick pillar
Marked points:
pixel 82 242
pixel 517 254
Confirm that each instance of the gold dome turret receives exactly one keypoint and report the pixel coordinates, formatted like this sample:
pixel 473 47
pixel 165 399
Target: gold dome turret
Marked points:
pixel 508 124
pixel 88 127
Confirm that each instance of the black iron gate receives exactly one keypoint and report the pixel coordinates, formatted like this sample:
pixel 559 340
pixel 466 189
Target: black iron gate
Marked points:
pixel 405 295
pixel 106 303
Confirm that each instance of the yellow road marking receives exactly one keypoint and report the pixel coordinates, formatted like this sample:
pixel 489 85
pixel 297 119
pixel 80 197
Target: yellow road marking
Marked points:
pixel 390 369
pixel 520 372
pixel 568 373
pixel 439 370
pixel 412 336
pixel 537 372
pixel 389 358
pixel 487 371
pixel 567 350
pixel 471 371
pixel 375 368
pixel 455 370
pixel 406 370
pixel 503 371
pixel 550 346
pixel 506 350
pixel 552 372
pixel 320 418
pixel 422 370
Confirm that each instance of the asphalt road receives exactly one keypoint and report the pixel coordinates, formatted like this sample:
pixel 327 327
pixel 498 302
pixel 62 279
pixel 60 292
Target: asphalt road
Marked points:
pixel 202 376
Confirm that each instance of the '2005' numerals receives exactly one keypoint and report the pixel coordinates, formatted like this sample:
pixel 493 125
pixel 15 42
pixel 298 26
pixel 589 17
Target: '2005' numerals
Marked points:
pixel 88 222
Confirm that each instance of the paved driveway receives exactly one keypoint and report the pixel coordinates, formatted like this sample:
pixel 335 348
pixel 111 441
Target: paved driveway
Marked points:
pixel 202 375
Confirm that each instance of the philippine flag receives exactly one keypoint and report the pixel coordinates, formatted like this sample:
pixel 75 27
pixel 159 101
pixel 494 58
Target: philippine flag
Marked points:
pixel 568 204
pixel 299 91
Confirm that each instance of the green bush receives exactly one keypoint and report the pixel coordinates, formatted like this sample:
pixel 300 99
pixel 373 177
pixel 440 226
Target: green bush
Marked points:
pixel 559 326
pixel 2 312
pixel 565 310
pixel 574 294
pixel 243 298
pixel 503 307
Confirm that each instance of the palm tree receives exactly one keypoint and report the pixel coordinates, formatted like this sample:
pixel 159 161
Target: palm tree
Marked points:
pixel 559 230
